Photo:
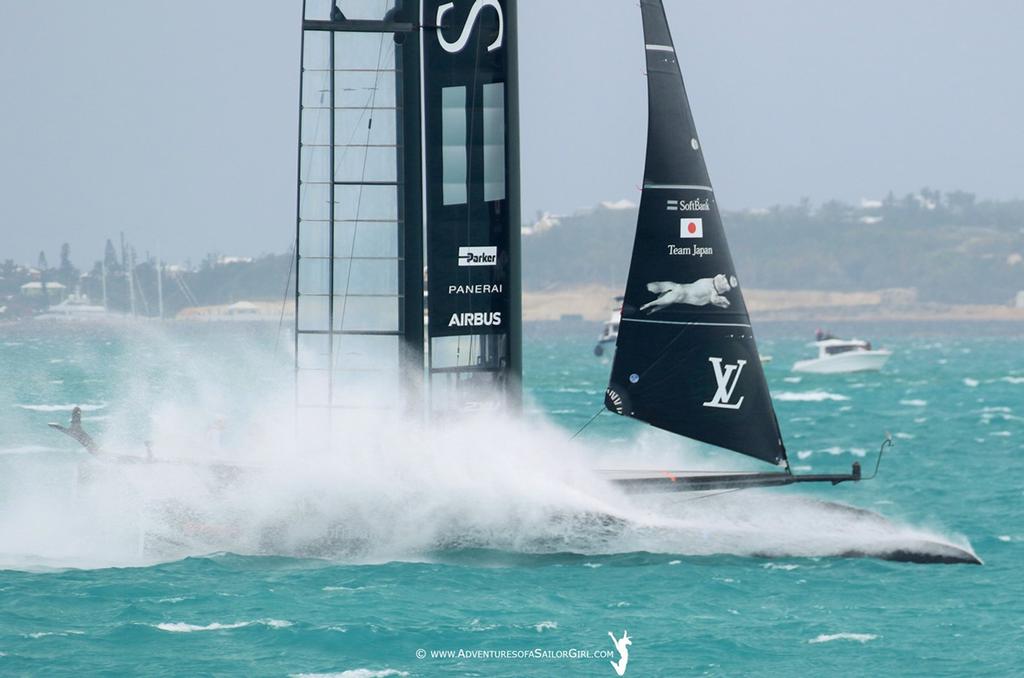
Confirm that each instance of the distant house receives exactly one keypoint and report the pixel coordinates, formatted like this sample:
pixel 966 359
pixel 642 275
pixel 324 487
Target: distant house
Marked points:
pixel 224 261
pixel 242 308
pixel 54 290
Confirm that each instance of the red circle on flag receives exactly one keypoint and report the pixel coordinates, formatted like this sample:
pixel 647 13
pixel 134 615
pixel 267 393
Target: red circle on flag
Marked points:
pixel 692 228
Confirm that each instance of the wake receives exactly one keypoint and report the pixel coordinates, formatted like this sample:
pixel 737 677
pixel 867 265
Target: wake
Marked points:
pixel 396 491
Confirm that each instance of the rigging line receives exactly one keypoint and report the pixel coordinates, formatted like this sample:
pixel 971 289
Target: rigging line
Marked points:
pixel 714 494
pixel 284 298
pixel 589 422
pixel 681 471
pixel 362 178
pixel 642 374
pixel 664 353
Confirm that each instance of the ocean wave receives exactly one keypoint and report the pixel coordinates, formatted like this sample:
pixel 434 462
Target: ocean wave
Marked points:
pixel 809 396
pixel 971 383
pixel 780 566
pixel 28 449
pixel 1013 380
pixel 342 588
pixel 183 627
pixel 476 626
pixel 44 634
pixel 835 451
pixel 914 403
pixel 354 673
pixel 545 625
pixel 859 637
pixel 62 408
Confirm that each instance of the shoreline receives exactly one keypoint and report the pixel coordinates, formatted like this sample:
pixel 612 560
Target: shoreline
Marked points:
pixel 595 303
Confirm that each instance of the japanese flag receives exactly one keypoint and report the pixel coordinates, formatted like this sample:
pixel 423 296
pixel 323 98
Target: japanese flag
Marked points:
pixel 691 228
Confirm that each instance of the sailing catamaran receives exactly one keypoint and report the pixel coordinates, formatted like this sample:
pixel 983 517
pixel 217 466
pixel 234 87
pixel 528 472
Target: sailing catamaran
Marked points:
pixel 408 209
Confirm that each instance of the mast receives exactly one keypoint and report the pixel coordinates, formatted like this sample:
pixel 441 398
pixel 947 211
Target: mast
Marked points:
pixel 131 279
pixel 377 169
pixel 686 360
pixel 160 287
pixel 103 282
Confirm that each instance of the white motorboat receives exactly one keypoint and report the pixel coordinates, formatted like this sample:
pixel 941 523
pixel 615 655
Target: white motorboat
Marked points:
pixel 610 332
pixel 836 356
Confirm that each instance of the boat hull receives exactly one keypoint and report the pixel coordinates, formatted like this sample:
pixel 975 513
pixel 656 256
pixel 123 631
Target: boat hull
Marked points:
pixel 854 361
pixel 605 349
pixel 921 551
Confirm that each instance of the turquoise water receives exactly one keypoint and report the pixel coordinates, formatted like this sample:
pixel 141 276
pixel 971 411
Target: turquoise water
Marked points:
pixel 455 557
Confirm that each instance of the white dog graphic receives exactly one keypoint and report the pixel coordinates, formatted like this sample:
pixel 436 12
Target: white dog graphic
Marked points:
pixel 698 293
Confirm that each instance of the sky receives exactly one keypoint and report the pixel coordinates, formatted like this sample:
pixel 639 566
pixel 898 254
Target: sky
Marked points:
pixel 175 122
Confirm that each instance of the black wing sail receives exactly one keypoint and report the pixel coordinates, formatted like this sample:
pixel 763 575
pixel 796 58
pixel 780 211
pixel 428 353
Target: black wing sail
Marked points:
pixel 686 360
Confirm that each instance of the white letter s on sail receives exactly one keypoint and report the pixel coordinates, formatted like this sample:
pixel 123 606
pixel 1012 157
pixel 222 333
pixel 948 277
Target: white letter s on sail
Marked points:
pixel 474 12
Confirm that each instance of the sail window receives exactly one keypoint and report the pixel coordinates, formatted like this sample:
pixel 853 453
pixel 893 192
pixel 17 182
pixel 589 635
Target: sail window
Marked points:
pixel 365 203
pixel 378 277
pixel 313 388
pixel 314 352
pixel 314 239
pixel 467 372
pixel 315 202
pixel 366 238
pixel 454 151
pixel 494 141
pixel 367 352
pixel 479 351
pixel 314 276
pixel 313 314
pixel 366 313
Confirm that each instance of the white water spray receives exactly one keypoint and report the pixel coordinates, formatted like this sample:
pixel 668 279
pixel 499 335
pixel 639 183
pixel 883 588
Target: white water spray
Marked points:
pixel 389 489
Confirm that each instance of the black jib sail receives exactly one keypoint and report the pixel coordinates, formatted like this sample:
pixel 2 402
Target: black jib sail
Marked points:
pixel 686 360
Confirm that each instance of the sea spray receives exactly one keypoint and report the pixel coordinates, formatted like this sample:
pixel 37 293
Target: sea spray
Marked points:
pixel 231 471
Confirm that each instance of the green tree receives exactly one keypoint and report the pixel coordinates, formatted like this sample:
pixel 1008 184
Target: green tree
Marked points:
pixel 110 258
pixel 67 273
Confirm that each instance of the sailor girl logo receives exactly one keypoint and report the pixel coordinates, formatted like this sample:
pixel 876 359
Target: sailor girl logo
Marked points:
pixel 622 647
pixel 726 378
pixel 467 29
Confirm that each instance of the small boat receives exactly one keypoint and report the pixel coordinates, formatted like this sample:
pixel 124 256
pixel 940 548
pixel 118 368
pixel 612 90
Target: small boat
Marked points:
pixel 610 331
pixel 838 356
